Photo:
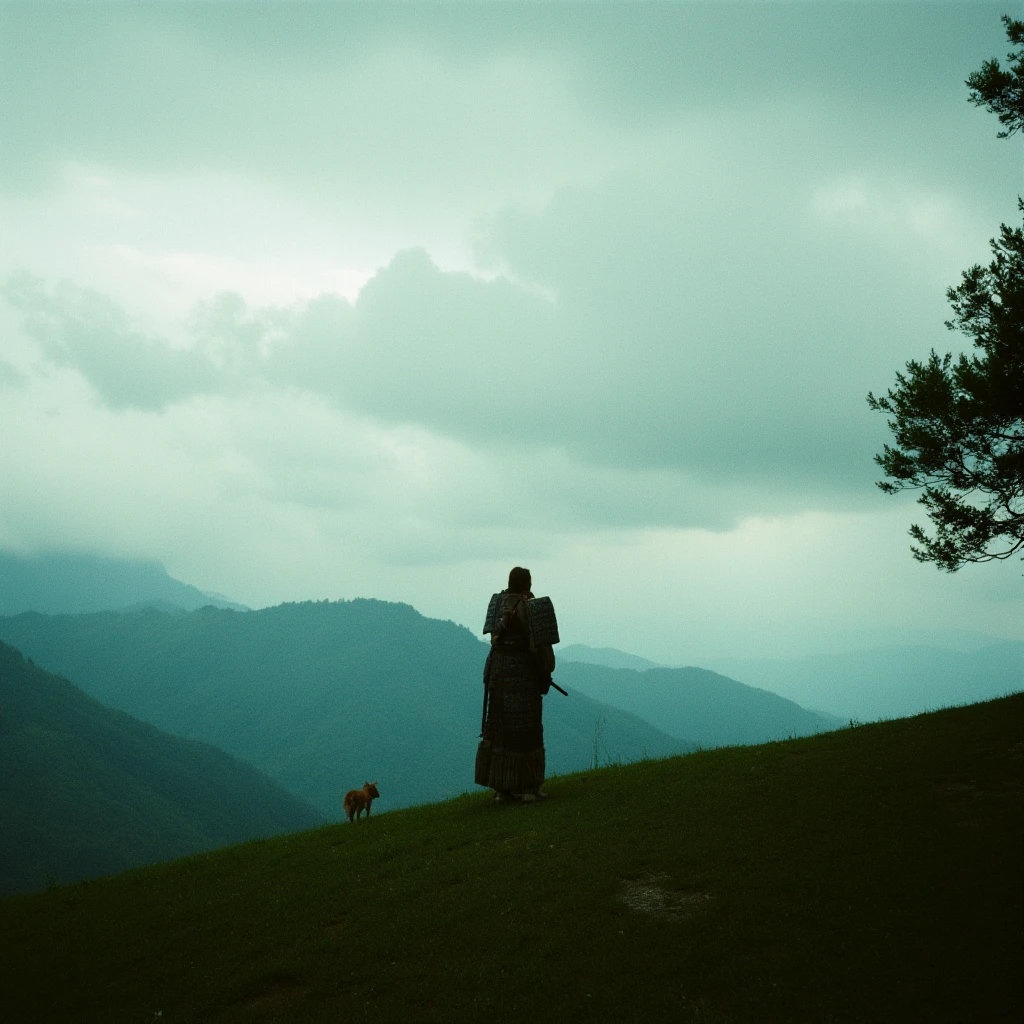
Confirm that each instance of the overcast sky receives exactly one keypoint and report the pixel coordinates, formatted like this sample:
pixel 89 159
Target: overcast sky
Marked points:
pixel 307 301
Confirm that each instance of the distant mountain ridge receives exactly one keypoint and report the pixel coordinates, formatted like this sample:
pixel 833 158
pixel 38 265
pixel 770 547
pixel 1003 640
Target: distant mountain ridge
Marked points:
pixel 609 657
pixel 68 583
pixel 88 791
pixel 706 707
pixel 876 681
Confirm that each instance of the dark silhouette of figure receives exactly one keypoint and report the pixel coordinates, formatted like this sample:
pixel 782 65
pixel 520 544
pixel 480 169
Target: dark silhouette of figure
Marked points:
pixel 517 675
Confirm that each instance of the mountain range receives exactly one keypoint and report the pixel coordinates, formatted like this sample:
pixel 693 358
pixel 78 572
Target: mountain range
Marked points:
pixel 324 695
pixel 319 695
pixel 709 709
pixel 879 680
pixel 876 673
pixel 609 657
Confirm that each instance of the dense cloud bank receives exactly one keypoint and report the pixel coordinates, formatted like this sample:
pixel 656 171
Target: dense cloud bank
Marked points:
pixel 382 295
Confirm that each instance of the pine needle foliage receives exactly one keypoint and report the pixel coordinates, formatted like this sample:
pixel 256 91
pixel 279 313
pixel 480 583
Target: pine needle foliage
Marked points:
pixel 959 424
pixel 999 89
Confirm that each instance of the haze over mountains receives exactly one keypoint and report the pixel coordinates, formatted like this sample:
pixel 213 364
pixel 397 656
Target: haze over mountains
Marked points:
pixel 322 695
pixel 609 657
pixel 883 680
pixel 710 709
pixel 58 582
pixel 86 790
pixel 889 682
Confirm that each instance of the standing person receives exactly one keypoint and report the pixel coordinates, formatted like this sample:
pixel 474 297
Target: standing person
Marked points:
pixel 517 675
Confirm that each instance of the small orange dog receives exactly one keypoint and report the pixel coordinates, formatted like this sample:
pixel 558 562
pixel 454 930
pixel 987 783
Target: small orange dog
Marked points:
pixel 359 800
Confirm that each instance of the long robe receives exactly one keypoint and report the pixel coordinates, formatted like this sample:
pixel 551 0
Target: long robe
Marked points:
pixel 510 757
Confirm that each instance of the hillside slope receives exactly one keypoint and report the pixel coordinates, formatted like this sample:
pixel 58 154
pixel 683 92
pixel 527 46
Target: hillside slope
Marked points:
pixel 869 874
pixel 87 791
pixel 320 695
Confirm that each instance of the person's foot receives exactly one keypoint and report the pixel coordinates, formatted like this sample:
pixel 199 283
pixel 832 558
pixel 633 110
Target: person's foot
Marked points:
pixel 537 794
pixel 501 797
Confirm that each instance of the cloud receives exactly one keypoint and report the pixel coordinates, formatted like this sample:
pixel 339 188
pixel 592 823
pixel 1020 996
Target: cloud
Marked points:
pixel 278 495
pixel 669 320
pixel 462 106
pixel 355 109
pixel 691 328
pixel 10 375
pixel 79 328
pixel 597 288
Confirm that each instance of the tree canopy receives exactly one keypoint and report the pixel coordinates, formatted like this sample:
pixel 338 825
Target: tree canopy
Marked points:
pixel 958 424
pixel 1002 89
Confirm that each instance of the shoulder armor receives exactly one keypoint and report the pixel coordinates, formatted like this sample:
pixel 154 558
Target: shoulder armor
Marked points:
pixel 493 613
pixel 541 621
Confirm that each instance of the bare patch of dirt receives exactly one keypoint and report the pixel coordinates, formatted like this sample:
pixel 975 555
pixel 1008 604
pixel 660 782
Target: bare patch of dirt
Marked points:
pixel 277 991
pixel 650 895
pixel 337 925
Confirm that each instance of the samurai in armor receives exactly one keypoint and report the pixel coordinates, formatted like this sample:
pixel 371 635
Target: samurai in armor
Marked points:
pixel 517 675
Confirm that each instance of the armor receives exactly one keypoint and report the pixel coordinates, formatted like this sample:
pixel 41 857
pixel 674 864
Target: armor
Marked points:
pixel 510 756
pixel 541 623
pixel 493 615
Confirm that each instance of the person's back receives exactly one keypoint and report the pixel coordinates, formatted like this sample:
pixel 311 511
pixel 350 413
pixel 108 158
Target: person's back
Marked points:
pixel 510 757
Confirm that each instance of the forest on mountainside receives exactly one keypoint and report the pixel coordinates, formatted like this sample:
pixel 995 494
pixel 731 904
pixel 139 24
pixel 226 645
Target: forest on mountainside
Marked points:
pixel 86 790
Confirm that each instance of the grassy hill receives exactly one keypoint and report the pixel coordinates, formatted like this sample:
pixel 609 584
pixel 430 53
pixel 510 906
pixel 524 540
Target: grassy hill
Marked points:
pixel 870 874
pixel 86 791
pixel 319 695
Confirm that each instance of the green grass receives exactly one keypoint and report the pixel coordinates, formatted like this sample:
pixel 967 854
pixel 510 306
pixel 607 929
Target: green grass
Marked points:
pixel 868 874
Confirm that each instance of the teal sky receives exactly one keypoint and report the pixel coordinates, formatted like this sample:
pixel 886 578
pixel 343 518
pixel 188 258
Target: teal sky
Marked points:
pixel 311 300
